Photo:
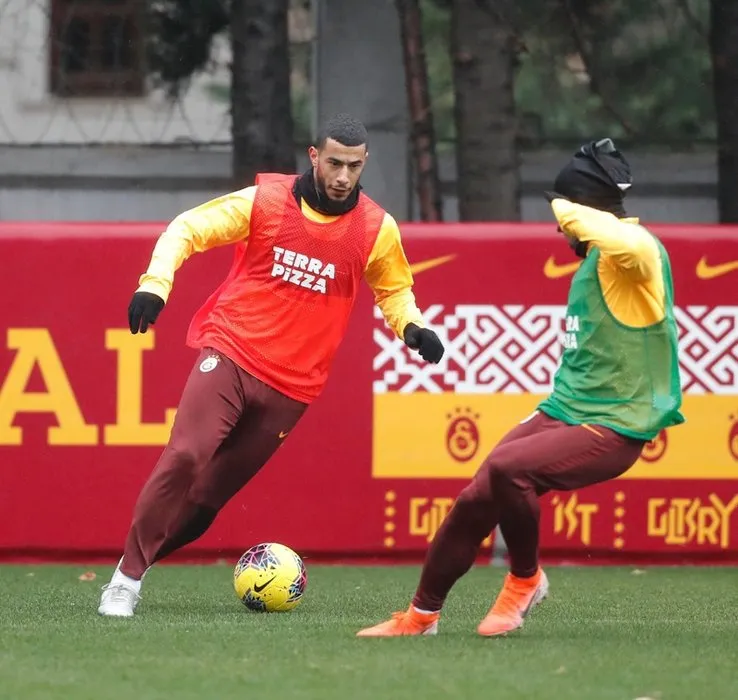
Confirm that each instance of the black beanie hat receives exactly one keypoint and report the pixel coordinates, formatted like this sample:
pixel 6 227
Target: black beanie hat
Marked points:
pixel 597 176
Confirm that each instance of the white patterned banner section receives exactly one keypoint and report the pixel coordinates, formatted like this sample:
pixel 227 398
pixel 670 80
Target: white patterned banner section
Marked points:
pixel 513 349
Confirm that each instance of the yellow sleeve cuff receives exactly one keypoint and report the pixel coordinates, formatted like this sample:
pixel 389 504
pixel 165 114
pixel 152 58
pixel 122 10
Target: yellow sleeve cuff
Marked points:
pixel 154 286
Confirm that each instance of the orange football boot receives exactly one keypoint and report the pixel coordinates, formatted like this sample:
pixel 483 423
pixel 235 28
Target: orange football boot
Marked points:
pixel 402 624
pixel 516 599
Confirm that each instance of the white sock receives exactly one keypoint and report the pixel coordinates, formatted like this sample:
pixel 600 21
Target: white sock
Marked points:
pixel 424 612
pixel 119 577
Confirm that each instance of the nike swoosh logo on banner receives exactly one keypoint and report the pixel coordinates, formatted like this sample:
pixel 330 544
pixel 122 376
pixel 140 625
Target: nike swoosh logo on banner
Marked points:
pixel 705 271
pixel 417 268
pixel 259 589
pixel 553 270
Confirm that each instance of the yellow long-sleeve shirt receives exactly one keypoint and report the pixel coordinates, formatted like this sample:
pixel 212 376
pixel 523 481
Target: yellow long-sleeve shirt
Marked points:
pixel 630 262
pixel 227 219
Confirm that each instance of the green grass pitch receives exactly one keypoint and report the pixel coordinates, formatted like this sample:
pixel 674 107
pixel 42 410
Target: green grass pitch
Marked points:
pixel 604 634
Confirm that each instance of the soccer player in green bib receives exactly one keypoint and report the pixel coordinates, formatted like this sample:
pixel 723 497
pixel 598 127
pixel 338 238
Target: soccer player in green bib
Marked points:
pixel 616 388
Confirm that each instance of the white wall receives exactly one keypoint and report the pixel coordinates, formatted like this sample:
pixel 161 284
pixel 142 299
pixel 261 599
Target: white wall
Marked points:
pixel 359 69
pixel 135 182
pixel 30 114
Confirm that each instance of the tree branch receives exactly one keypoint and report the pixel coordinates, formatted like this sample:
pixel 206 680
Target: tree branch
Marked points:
pixel 493 9
pixel 592 71
pixel 692 20
pixel 421 114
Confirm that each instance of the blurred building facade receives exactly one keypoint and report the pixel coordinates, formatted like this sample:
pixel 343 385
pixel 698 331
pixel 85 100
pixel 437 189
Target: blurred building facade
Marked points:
pixel 100 144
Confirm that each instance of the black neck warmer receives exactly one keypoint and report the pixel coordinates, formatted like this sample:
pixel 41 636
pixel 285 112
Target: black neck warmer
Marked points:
pixel 306 188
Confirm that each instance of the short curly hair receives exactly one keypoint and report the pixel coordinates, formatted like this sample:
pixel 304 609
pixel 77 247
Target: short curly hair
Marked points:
pixel 345 129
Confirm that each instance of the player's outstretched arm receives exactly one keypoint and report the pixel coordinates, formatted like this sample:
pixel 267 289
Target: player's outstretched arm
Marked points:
pixel 215 223
pixel 626 244
pixel 388 274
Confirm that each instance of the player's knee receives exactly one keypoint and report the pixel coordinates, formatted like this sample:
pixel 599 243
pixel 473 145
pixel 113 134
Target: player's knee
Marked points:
pixel 476 493
pixel 500 473
pixel 185 458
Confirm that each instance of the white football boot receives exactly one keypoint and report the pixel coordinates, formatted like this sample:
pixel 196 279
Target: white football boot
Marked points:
pixel 119 597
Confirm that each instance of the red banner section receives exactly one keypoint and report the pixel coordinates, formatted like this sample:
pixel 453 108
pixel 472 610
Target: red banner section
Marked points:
pixel 372 470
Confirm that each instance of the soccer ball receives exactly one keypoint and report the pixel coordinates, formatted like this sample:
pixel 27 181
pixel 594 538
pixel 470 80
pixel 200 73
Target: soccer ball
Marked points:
pixel 270 577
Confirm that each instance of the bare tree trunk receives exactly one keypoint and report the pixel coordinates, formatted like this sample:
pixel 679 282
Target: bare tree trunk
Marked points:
pixel 261 108
pixel 724 50
pixel 421 115
pixel 483 49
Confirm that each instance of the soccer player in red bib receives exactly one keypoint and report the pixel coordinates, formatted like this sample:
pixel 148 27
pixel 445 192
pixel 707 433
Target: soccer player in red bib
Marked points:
pixel 267 335
pixel 616 388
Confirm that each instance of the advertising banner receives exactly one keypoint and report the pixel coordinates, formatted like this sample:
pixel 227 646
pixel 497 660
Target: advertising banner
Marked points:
pixel 374 467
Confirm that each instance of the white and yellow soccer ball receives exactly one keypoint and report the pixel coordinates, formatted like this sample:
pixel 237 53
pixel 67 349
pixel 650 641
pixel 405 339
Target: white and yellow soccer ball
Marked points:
pixel 270 577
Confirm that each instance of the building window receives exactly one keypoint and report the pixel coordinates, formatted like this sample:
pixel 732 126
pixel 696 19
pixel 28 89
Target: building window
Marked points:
pixel 97 48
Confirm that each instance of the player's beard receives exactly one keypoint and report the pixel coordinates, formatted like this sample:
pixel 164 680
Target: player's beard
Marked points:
pixel 324 203
pixel 307 189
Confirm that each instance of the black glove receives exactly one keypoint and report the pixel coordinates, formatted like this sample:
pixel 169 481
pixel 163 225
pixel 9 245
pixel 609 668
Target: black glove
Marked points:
pixel 143 310
pixel 550 196
pixel 425 341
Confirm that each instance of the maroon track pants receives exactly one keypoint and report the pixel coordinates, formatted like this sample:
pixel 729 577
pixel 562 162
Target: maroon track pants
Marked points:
pixel 228 425
pixel 539 455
